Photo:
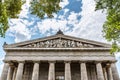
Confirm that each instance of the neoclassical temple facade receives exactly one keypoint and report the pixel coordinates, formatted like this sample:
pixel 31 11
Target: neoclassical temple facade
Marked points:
pixel 59 57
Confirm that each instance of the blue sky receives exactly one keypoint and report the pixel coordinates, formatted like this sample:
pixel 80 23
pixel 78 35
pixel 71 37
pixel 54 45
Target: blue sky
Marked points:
pixel 77 18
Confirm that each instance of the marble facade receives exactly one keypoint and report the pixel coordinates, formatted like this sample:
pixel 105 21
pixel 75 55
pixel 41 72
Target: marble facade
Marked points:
pixel 59 57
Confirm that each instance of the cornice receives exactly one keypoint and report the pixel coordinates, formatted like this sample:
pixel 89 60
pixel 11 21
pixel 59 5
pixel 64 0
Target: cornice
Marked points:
pixel 55 49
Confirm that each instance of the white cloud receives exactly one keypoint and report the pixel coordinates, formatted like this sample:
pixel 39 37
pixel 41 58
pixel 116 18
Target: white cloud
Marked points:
pixel 64 3
pixel 19 30
pixel 90 25
pixel 19 27
pixel 25 10
pixel 72 19
pixel 53 24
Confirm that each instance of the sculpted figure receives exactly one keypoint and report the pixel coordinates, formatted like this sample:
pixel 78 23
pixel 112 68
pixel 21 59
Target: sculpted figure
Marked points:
pixel 29 45
pixel 69 43
pixel 34 45
pixel 47 44
pixel 37 44
pixel 65 43
pixel 72 43
pixel 41 44
pixel 58 43
pixel 85 45
pixel 51 43
pixel 79 44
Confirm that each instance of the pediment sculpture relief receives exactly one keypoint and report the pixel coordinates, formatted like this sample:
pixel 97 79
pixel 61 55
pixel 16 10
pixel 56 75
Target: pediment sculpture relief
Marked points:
pixel 59 43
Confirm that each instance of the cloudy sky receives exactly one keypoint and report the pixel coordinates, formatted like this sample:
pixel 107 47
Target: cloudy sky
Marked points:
pixel 77 18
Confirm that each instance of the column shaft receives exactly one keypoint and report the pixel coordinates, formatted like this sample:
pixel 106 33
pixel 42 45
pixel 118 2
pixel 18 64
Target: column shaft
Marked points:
pixel 105 73
pixel 99 69
pixel 67 71
pixel 114 72
pixel 19 71
pixel 83 71
pixel 10 73
pixel 51 74
pixel 14 73
pixel 110 77
pixel 5 71
pixel 35 75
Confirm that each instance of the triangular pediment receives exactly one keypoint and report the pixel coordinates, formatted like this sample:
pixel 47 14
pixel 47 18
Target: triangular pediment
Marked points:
pixel 59 41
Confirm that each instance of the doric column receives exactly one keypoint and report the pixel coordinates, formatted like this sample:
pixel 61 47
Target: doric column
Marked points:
pixel 14 73
pixel 110 77
pixel 51 73
pixel 114 72
pixel 35 75
pixel 105 73
pixel 99 69
pixel 67 70
pixel 10 72
pixel 19 71
pixel 83 71
pixel 5 71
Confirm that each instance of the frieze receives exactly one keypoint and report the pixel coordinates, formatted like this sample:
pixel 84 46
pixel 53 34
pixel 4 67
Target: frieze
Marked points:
pixel 59 43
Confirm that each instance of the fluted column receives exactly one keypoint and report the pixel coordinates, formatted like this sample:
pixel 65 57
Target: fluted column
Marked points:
pixel 19 71
pixel 35 75
pixel 10 72
pixel 110 77
pixel 99 69
pixel 51 73
pixel 5 71
pixel 67 70
pixel 105 73
pixel 14 73
pixel 83 71
pixel 114 72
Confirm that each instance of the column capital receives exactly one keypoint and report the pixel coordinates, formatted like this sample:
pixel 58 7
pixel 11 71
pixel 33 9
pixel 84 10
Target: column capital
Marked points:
pixel 96 62
pixel 108 65
pixel 67 61
pixel 82 61
pixel 36 61
pixel 21 61
pixel 11 64
pixel 52 61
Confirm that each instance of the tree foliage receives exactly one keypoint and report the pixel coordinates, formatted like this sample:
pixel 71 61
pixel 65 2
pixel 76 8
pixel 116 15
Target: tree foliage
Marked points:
pixel 8 9
pixel 3 19
pixel 11 9
pixel 45 7
pixel 111 27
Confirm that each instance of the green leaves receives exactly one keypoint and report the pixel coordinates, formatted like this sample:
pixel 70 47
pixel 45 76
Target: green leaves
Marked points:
pixel 8 9
pixel 13 7
pixel 43 8
pixel 111 27
pixel 115 48
pixel 3 19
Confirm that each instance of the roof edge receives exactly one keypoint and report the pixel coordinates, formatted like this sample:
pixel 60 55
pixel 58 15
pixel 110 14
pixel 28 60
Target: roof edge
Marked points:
pixel 8 49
